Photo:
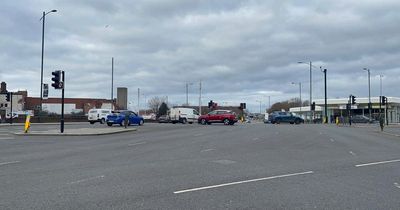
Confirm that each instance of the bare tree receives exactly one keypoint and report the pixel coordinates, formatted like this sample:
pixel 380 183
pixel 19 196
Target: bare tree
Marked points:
pixel 155 103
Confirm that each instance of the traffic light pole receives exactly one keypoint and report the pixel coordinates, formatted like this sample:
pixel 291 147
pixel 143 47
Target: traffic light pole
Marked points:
pixel 62 102
pixel 326 100
pixel 11 100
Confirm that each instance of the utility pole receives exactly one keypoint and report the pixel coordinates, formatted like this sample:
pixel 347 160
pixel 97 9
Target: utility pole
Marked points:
pixel 200 97
pixel 112 83
pixel 369 94
pixel 326 99
pixel 138 100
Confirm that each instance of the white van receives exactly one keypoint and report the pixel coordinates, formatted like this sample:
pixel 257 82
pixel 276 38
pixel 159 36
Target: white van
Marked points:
pixel 98 115
pixel 183 115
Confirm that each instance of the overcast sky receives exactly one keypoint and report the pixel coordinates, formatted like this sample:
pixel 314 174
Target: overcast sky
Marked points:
pixel 243 51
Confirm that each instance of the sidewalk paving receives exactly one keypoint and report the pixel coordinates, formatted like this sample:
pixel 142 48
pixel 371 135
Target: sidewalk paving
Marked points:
pixel 55 123
pixel 77 132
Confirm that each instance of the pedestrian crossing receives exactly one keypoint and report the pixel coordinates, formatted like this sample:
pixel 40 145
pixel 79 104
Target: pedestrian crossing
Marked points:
pixel 6 136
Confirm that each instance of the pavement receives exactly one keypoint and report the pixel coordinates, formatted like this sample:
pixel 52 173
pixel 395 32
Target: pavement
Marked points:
pixel 77 132
pixel 166 166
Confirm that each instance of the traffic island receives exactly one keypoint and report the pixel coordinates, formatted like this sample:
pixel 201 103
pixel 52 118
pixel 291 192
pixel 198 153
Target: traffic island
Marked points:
pixel 78 132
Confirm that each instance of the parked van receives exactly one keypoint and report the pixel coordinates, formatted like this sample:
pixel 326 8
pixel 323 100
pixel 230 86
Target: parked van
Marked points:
pixel 183 115
pixel 98 115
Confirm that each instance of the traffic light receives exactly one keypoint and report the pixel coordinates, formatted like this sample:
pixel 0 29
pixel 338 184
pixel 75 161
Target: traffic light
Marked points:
pixel 313 106
pixel 57 83
pixel 8 97
pixel 242 106
pixel 384 100
pixel 353 100
pixel 210 104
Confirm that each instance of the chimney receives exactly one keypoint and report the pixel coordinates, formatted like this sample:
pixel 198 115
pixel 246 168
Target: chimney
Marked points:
pixel 3 88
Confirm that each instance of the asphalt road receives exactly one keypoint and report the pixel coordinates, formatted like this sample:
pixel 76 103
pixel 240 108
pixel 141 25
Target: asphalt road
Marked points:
pixel 165 166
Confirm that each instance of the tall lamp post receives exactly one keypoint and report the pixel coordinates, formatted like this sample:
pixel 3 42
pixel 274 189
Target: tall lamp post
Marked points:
pixel 43 19
pixel 260 104
pixel 187 92
pixel 301 102
pixel 311 66
pixel 326 98
pixel 369 93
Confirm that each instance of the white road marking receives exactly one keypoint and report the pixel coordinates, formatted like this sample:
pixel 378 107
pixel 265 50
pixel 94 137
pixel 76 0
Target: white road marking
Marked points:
pixel 352 153
pixel 4 134
pixel 224 162
pixel 396 185
pixel 88 179
pixel 331 140
pixel 138 143
pixel 199 134
pixel 6 138
pixel 242 182
pixel 255 139
pixel 376 163
pixel 207 150
pixel 7 163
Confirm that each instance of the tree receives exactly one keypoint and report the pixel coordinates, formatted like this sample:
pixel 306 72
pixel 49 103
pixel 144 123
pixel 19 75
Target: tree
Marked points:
pixel 163 109
pixel 155 103
pixel 286 105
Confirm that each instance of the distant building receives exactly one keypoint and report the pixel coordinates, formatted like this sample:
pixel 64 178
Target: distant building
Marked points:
pixel 337 108
pixel 122 98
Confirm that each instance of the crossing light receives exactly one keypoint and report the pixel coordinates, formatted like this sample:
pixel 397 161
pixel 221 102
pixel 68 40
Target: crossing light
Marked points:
pixel 353 100
pixel 57 83
pixel 8 97
pixel 210 104
pixel 384 100
pixel 313 106
pixel 242 106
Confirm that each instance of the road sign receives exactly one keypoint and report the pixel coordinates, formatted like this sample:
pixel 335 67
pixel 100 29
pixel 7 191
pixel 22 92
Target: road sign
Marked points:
pixel 45 91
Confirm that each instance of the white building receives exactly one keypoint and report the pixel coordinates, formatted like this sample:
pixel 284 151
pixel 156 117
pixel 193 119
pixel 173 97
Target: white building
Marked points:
pixel 337 107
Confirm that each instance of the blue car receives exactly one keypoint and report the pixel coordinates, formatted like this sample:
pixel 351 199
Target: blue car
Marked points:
pixel 118 117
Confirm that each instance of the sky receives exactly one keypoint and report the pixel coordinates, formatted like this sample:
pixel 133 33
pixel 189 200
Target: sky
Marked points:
pixel 241 50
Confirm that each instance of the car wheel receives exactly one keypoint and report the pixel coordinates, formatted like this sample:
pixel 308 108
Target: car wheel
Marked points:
pixel 297 122
pixel 102 121
pixel 141 122
pixel 109 124
pixel 226 122
pixel 203 121
pixel 184 121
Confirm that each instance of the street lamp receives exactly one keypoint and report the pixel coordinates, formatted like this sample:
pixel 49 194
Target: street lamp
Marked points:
pixel 369 92
pixel 301 103
pixel 260 104
pixel 43 18
pixel 311 66
pixel 380 82
pixel 326 99
pixel 187 92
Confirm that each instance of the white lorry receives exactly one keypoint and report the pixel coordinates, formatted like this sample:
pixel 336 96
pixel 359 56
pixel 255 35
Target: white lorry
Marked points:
pixel 183 115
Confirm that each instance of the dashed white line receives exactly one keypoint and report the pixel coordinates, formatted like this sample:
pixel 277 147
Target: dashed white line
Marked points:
pixel 198 134
pixel 352 153
pixel 255 139
pixel 241 182
pixel 7 163
pixel 207 150
pixel 6 138
pixel 138 143
pixel 396 185
pixel 332 140
pixel 376 163
pixel 88 179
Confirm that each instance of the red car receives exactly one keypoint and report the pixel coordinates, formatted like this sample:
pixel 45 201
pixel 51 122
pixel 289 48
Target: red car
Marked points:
pixel 219 116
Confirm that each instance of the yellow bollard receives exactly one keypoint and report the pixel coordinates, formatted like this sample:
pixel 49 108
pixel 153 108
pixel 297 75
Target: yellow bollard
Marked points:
pixel 337 120
pixel 27 123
